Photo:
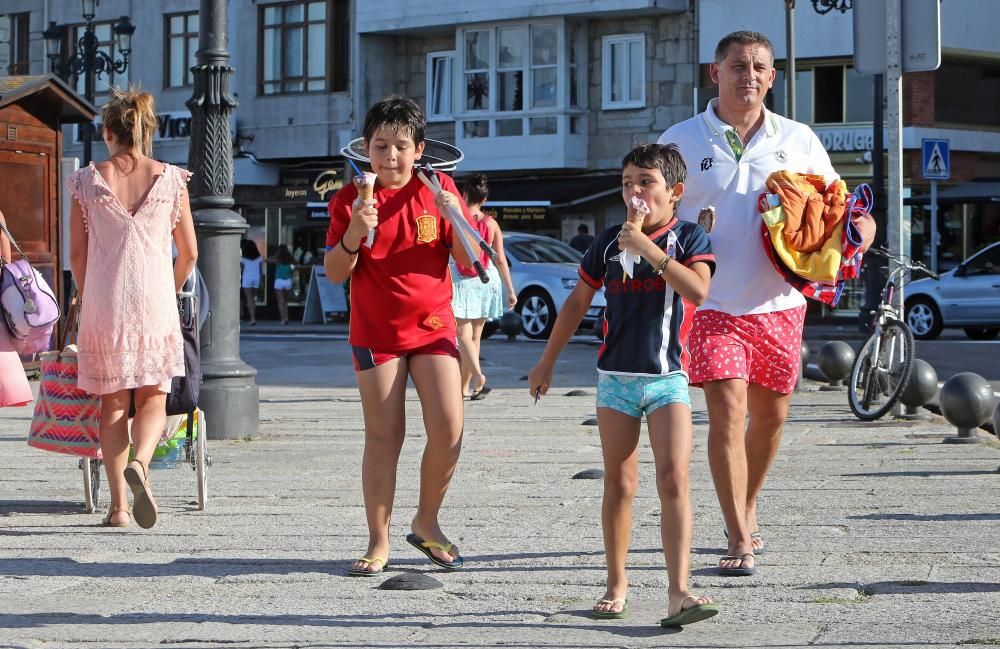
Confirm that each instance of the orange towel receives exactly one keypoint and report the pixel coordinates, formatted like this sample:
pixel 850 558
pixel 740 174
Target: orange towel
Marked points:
pixel 812 210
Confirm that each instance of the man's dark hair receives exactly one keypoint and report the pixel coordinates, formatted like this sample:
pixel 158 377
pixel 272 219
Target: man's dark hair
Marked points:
pixel 399 114
pixel 743 38
pixel 665 157
pixel 582 228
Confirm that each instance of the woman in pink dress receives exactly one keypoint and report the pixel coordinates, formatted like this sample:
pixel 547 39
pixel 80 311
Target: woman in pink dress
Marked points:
pixel 124 213
pixel 14 388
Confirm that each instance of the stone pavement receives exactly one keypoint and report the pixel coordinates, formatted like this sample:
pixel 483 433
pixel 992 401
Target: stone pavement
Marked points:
pixel 878 534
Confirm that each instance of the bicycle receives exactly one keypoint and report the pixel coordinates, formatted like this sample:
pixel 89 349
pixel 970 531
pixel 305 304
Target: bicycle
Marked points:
pixel 883 366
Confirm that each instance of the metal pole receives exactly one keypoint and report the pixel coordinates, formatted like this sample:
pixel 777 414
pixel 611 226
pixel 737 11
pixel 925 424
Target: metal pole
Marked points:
pixel 790 59
pixel 229 394
pixel 934 227
pixel 89 50
pixel 894 98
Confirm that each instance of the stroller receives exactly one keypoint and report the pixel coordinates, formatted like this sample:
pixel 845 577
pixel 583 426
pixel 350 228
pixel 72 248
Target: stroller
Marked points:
pixel 185 432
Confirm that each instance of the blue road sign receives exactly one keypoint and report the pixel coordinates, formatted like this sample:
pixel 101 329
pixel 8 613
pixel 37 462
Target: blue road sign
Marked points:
pixel 936 159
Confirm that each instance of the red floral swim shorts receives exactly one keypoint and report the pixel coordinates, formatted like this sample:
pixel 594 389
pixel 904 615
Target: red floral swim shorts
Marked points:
pixel 761 348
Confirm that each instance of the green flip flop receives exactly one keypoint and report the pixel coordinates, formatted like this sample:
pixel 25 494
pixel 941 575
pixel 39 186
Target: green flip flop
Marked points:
pixel 691 615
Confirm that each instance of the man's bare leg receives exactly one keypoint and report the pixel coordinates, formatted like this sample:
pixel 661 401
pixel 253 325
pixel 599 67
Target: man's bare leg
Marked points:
pixel 768 410
pixel 727 457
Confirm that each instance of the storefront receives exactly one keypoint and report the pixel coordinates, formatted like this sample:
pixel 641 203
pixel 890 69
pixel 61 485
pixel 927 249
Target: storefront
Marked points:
pixel 968 221
pixel 292 213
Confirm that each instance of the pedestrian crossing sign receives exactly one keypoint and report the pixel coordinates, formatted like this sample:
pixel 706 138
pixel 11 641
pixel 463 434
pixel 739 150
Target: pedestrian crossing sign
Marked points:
pixel 936 159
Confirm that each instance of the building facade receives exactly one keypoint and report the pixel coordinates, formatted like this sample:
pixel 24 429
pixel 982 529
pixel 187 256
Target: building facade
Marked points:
pixel 545 96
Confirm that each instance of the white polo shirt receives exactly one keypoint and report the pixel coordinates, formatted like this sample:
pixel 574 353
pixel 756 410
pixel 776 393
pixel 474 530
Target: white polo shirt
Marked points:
pixel 745 281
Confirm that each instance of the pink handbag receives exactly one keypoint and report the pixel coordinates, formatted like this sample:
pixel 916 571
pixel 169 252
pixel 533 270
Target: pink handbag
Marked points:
pixel 67 419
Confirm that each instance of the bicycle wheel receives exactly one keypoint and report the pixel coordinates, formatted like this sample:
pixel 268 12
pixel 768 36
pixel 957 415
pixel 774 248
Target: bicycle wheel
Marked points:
pixel 877 383
pixel 91 484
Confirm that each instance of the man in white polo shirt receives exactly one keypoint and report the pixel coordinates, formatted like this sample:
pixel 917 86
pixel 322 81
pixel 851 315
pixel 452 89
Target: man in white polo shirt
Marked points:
pixel 746 337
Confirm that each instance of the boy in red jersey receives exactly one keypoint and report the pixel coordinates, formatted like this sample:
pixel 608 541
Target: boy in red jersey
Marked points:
pixel 401 325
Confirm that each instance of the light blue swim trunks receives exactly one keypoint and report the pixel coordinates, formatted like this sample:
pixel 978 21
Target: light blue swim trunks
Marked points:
pixel 635 395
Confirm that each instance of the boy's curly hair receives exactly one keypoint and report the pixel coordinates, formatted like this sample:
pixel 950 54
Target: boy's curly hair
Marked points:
pixel 665 157
pixel 399 114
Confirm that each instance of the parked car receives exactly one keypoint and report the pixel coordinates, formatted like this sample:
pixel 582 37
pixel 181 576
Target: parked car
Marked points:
pixel 544 272
pixel 967 296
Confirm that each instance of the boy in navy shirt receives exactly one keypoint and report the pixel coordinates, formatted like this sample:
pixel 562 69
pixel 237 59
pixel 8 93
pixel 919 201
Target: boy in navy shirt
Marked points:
pixel 642 366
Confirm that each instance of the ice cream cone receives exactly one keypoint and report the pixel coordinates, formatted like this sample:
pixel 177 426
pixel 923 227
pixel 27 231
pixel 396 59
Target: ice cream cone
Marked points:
pixel 706 217
pixel 365 184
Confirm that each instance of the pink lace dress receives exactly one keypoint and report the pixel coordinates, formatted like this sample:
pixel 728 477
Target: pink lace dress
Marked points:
pixel 130 334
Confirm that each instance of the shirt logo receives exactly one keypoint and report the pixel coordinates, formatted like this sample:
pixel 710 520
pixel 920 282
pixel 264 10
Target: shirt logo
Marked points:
pixel 706 164
pixel 781 156
pixel 434 322
pixel 426 228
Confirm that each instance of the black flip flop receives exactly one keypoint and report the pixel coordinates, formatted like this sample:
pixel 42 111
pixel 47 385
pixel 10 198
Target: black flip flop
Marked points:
pixel 480 394
pixel 737 572
pixel 425 548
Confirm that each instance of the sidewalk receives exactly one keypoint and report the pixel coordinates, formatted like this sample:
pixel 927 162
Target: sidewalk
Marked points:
pixel 878 534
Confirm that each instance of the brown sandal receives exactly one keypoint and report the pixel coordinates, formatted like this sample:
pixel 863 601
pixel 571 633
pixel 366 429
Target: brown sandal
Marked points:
pixel 111 512
pixel 143 506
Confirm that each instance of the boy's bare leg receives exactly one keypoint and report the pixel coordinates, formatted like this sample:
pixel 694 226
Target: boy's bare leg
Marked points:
pixel 114 449
pixel 383 398
pixel 436 378
pixel 619 444
pixel 469 353
pixel 727 457
pixel 768 410
pixel 670 437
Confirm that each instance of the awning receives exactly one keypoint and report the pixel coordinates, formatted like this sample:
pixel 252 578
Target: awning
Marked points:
pixel 45 93
pixel 552 191
pixel 981 192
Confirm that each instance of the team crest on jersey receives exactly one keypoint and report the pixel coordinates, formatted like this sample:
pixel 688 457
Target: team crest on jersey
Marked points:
pixel 671 249
pixel 781 156
pixel 427 230
pixel 435 322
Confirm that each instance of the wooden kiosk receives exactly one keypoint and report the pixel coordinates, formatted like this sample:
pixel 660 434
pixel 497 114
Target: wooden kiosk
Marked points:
pixel 33 110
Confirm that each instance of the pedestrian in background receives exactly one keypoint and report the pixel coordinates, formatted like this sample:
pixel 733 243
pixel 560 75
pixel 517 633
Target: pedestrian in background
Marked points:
pixel 251 268
pixel 282 261
pixel 581 242
pixel 124 213
pixel 402 326
pixel 474 302
pixel 746 337
pixel 642 368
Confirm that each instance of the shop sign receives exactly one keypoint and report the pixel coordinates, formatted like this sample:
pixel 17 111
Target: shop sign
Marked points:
pixel 169 126
pixel 845 139
pixel 520 214
pixel 310 185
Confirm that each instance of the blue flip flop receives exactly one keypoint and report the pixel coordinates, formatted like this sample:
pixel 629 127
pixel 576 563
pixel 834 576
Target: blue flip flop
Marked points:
pixel 425 547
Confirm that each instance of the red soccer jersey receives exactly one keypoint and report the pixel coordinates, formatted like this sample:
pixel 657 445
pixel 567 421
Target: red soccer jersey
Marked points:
pixel 401 287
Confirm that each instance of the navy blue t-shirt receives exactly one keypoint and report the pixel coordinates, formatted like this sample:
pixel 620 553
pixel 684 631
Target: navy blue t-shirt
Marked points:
pixel 646 323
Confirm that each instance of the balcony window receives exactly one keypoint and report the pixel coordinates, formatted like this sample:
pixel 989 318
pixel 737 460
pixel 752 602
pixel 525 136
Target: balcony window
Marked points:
pixel 826 94
pixel 14 44
pixel 303 47
pixel 181 43
pixel 623 72
pixel 967 92
pixel 439 84
pixel 514 79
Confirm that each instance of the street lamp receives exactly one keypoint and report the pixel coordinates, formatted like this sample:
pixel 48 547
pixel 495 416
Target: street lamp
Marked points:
pixel 86 59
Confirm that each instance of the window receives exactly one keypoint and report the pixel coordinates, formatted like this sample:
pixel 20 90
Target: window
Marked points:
pixel 517 79
pixel 181 39
pixel 967 92
pixel 293 46
pixel 109 78
pixel 14 44
pixel 826 94
pixel 623 80
pixel 439 83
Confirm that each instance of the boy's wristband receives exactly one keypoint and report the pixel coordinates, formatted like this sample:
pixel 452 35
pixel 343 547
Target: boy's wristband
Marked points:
pixel 662 266
pixel 348 250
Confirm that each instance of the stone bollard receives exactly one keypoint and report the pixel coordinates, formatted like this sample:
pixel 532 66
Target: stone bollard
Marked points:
pixel 803 359
pixel 510 325
pixel 919 390
pixel 966 399
pixel 834 361
pixel 996 420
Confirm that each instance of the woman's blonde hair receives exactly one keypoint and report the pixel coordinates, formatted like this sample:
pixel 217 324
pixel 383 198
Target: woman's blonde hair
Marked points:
pixel 131 117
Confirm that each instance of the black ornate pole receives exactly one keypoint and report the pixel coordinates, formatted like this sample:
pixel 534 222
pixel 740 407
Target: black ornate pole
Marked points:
pixel 229 394
pixel 89 53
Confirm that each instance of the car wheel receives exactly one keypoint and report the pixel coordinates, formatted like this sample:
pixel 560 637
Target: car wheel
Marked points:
pixel 924 319
pixel 538 313
pixel 490 328
pixel 982 333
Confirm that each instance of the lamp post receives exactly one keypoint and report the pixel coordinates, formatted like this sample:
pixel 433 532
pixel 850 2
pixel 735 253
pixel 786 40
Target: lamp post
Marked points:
pixel 86 59
pixel 229 394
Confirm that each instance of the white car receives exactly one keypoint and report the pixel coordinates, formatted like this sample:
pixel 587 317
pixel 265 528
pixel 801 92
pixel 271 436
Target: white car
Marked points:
pixel 544 271
pixel 966 296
